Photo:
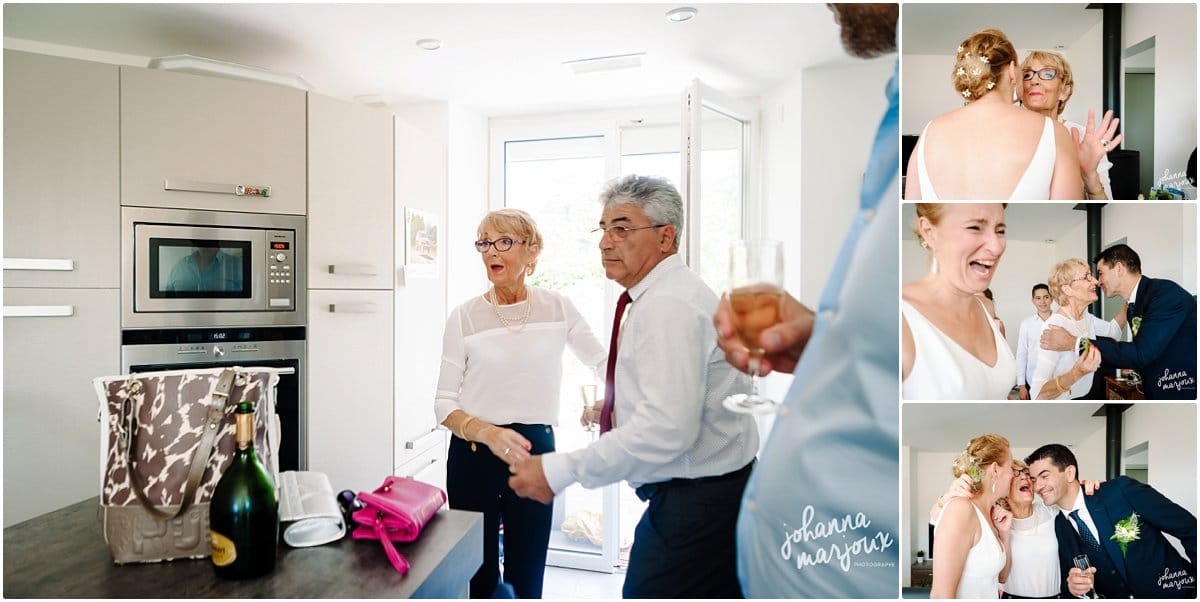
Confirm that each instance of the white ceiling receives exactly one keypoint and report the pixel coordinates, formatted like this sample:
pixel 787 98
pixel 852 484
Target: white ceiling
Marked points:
pixel 496 58
pixel 939 28
pixel 1030 222
pixel 948 427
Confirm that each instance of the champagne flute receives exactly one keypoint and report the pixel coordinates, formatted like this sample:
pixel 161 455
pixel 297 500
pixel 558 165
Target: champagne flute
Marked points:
pixel 755 298
pixel 1082 563
pixel 590 394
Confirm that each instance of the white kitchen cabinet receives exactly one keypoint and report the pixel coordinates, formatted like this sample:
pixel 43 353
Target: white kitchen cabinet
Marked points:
pixel 55 342
pixel 188 142
pixel 428 466
pixel 350 435
pixel 350 199
pixel 61 163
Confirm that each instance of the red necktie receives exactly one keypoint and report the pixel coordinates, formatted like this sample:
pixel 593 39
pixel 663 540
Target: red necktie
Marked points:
pixel 610 391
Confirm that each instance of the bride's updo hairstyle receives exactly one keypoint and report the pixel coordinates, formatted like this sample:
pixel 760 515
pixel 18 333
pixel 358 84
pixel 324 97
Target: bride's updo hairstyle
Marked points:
pixel 980 61
pixel 982 452
pixel 929 211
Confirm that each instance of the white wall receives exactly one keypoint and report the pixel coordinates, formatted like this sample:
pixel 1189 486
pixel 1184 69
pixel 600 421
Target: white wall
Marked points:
pixel 1174 28
pixel 467 189
pixel 927 92
pixel 1163 234
pixel 1171 431
pixel 838 131
pixel 421 183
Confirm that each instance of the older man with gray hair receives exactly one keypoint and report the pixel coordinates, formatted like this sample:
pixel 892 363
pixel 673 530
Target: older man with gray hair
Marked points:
pixel 663 427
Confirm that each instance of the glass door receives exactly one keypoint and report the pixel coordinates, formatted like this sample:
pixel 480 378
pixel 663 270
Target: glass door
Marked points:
pixel 557 181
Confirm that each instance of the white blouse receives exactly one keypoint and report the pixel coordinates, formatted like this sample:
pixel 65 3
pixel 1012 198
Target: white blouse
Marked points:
pixel 1055 363
pixel 505 376
pixel 1034 572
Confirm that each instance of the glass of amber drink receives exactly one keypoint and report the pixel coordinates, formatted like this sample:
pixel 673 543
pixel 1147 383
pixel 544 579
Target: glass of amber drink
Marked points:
pixel 755 297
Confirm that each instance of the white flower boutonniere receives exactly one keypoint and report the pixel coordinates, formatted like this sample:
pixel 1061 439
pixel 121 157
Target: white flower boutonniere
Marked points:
pixel 1125 531
pixel 1136 324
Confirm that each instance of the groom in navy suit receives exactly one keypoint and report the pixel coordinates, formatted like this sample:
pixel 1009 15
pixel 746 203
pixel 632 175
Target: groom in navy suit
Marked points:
pixel 1147 566
pixel 1162 316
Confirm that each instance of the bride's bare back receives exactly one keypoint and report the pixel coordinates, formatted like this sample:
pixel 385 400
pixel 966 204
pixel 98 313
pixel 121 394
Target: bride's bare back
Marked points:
pixel 981 151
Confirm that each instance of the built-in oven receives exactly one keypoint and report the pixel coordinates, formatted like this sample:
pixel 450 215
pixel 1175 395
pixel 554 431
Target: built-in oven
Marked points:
pixel 189 268
pixel 149 350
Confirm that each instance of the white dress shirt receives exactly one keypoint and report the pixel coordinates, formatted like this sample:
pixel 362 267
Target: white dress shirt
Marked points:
pixel 1028 342
pixel 1081 506
pixel 506 377
pixel 670 380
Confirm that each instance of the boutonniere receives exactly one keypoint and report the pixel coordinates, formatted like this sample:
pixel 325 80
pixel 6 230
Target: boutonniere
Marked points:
pixel 1125 531
pixel 1136 324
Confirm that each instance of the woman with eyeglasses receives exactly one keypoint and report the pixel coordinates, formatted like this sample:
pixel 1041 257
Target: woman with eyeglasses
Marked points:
pixel 951 348
pixel 1033 569
pixel 990 149
pixel 498 394
pixel 1047 85
pixel 1068 374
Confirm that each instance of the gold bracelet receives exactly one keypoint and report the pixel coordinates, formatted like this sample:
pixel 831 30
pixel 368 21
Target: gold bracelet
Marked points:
pixel 462 429
pixel 1061 390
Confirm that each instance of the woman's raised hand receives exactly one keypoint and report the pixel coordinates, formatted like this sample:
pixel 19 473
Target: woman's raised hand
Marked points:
pixel 960 487
pixel 1096 141
pixel 1003 520
pixel 506 444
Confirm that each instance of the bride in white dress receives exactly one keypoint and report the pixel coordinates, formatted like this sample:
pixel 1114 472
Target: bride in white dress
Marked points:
pixel 990 148
pixel 971 538
pixel 951 348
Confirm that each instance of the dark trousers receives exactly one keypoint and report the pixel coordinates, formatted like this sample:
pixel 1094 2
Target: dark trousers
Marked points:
pixel 685 545
pixel 478 481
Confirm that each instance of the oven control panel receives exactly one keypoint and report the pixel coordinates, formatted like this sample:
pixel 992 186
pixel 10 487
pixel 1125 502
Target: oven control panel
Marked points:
pixel 281 270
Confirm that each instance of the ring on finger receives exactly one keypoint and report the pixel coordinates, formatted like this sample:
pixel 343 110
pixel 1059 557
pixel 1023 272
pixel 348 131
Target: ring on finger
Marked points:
pixel 1104 143
pixel 506 450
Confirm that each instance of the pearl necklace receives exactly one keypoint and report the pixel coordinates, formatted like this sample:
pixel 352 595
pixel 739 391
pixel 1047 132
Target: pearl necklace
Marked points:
pixel 505 321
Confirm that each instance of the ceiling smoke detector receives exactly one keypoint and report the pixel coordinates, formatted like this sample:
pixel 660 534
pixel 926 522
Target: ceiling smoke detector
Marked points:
pixel 681 14
pixel 632 60
pixel 429 44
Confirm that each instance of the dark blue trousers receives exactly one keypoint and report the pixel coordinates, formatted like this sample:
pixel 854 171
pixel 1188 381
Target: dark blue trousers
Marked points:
pixel 478 481
pixel 685 545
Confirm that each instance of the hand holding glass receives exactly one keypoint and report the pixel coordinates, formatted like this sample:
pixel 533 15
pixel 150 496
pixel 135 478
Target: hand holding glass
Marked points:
pixel 1082 563
pixel 755 296
pixel 590 395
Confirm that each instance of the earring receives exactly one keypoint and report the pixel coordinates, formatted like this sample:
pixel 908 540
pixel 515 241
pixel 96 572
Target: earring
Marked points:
pixel 993 488
pixel 933 267
pixel 529 270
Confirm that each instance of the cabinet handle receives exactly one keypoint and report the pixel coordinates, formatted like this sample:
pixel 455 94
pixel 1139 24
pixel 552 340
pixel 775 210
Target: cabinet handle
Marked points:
pixel 216 187
pixel 352 269
pixel 352 308
pixel 413 444
pixel 39 311
pixel 20 263
pixel 414 473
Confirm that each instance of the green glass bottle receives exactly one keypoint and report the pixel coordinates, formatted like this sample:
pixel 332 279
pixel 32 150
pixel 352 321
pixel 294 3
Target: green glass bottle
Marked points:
pixel 243 515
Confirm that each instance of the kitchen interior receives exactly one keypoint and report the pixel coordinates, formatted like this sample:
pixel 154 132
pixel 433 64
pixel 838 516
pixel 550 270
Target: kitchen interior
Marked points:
pixel 343 155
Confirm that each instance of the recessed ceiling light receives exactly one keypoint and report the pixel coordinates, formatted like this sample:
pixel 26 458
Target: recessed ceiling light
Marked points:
pixel 681 14
pixel 1059 46
pixel 429 43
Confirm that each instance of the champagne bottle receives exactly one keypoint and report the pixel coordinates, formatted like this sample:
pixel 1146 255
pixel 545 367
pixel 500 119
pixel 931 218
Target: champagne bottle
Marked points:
pixel 243 515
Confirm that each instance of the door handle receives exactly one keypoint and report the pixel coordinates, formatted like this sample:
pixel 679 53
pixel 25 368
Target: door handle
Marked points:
pixel 39 311
pixel 352 308
pixel 352 269
pixel 216 187
pixel 21 263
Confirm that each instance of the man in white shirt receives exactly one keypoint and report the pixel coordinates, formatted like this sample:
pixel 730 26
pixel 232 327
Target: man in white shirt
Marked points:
pixel 1028 338
pixel 670 437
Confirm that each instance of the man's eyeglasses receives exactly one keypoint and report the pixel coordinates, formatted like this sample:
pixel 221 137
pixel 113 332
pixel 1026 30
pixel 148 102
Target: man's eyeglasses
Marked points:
pixel 501 245
pixel 619 233
pixel 1048 73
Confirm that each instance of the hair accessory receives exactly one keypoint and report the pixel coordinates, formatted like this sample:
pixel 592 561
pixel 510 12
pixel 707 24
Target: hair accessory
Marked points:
pixel 924 245
pixel 982 59
pixel 961 71
pixel 966 93
pixel 977 72
pixel 991 84
pixel 960 48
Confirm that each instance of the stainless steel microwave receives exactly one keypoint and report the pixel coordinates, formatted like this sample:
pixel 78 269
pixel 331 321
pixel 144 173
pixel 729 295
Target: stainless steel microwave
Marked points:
pixel 189 268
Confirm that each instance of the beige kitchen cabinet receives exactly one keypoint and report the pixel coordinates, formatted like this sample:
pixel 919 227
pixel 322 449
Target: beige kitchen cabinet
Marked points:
pixel 55 342
pixel 350 435
pixel 61 164
pixel 350 200
pixel 189 141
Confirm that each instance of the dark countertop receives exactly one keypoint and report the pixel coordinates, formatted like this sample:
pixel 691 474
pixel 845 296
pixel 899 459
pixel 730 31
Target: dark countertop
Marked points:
pixel 63 554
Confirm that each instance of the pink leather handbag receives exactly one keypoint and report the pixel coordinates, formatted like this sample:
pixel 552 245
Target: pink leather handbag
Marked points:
pixel 397 511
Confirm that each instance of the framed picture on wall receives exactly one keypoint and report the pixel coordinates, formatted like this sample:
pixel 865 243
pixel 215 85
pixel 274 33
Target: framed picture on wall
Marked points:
pixel 421 243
